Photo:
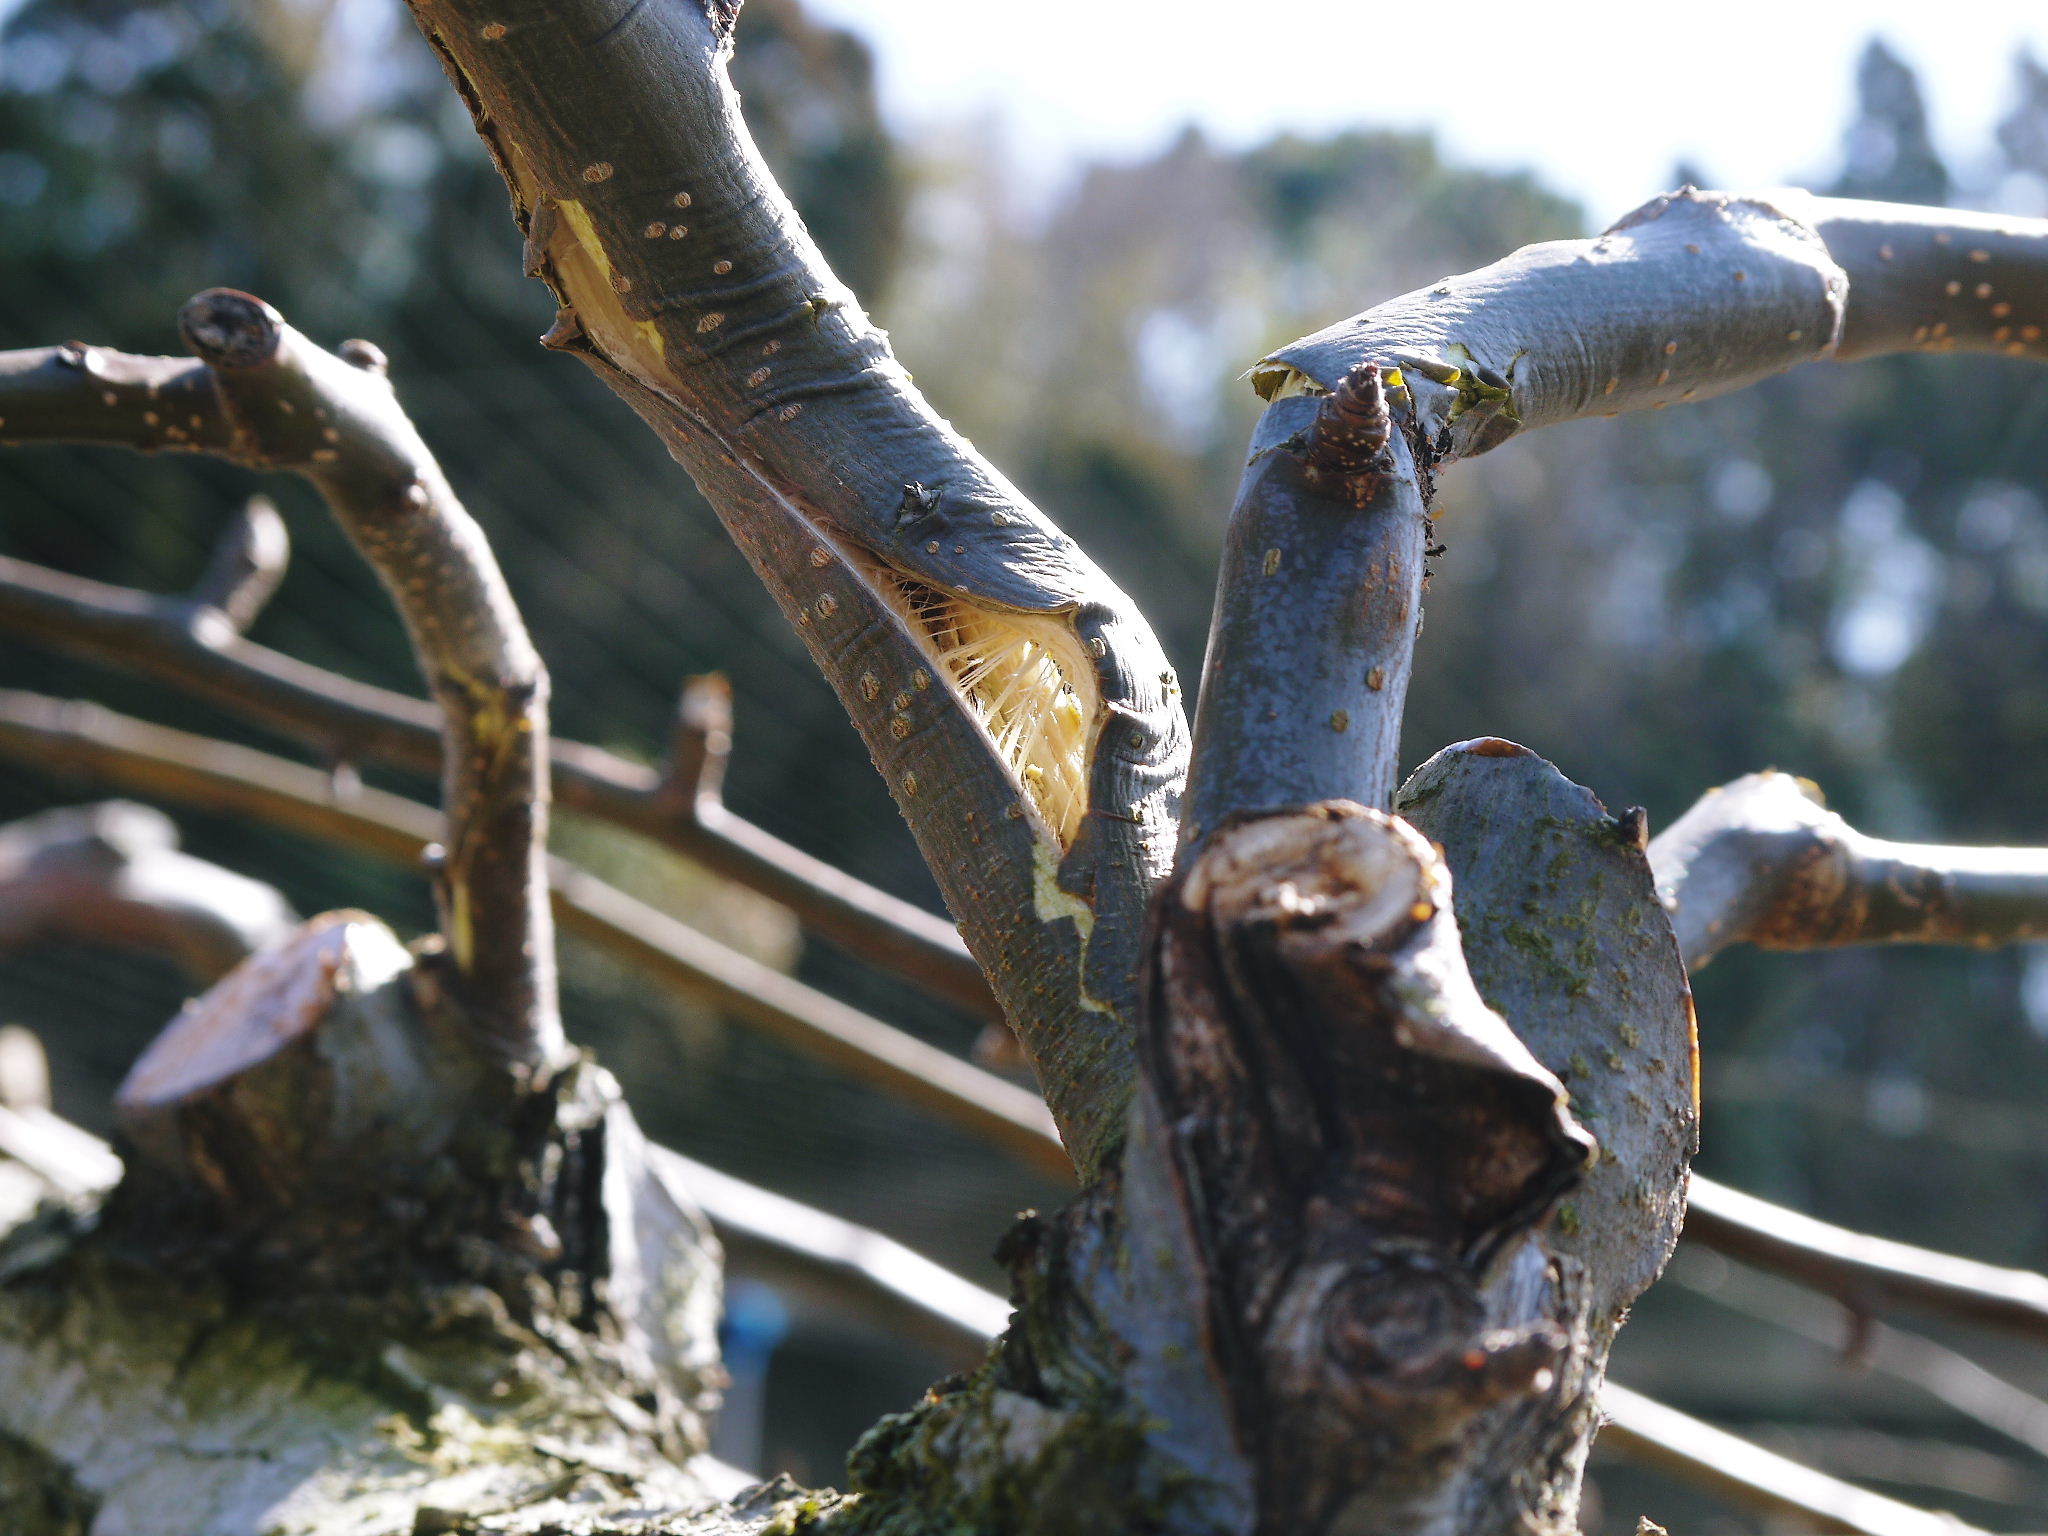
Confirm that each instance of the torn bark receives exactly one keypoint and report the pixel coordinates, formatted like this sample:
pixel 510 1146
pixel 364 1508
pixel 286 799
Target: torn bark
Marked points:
pixel 1020 711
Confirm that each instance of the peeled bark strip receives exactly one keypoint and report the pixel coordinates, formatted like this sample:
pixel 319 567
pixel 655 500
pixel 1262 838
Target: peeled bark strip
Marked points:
pixel 113 874
pixel 1021 712
pixel 1763 861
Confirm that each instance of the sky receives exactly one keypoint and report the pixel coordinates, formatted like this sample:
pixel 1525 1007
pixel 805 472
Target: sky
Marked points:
pixel 1603 99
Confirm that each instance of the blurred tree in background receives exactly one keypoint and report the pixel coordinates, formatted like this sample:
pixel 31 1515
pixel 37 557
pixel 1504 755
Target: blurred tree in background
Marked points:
pixel 1847 578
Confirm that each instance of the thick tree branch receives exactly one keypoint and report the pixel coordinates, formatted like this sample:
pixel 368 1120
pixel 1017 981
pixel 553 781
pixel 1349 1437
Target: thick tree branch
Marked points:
pixel 1317 607
pixel 1763 861
pixel 156 761
pixel 113 874
pixel 1020 711
pixel 163 638
pixel 1692 295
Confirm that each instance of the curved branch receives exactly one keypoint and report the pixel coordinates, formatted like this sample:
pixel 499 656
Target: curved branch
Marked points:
pixel 154 760
pixel 1018 707
pixel 264 396
pixel 113 874
pixel 1763 861
pixel 291 405
pixel 1691 295
pixel 345 719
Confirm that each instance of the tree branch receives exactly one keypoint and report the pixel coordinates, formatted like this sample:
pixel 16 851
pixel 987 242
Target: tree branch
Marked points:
pixel 1691 295
pixel 1762 861
pixel 1019 709
pixel 1754 1478
pixel 1870 1275
pixel 113 874
pixel 153 760
pixel 1317 607
pixel 264 396
pixel 293 406
pixel 344 719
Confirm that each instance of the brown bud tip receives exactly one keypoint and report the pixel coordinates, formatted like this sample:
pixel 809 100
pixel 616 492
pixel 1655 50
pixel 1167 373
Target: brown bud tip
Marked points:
pixel 1350 434
pixel 231 329
pixel 366 355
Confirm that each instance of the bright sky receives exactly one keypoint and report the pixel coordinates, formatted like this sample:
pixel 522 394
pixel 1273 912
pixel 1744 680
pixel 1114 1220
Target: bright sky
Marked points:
pixel 1602 98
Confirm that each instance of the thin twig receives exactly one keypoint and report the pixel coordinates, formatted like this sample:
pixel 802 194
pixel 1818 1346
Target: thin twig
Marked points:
pixel 67 737
pixel 358 722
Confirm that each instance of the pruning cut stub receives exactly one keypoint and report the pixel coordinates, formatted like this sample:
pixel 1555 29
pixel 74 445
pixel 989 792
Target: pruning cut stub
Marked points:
pixel 230 329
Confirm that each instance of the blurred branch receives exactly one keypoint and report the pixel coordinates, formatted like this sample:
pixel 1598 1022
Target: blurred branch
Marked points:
pixel 1762 861
pixel 1862 1343
pixel 1870 1275
pixel 1752 1478
pixel 113 874
pixel 64 737
pixel 349 720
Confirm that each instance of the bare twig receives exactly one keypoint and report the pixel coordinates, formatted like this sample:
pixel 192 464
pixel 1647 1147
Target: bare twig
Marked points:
pixel 1762 861
pixel 1753 1478
pixel 346 719
pixel 264 396
pixel 1871 1275
pixel 63 737
pixel 113 873
pixel 247 564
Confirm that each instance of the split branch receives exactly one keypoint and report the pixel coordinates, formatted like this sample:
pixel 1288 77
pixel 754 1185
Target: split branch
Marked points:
pixel 1762 861
pixel 1018 707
